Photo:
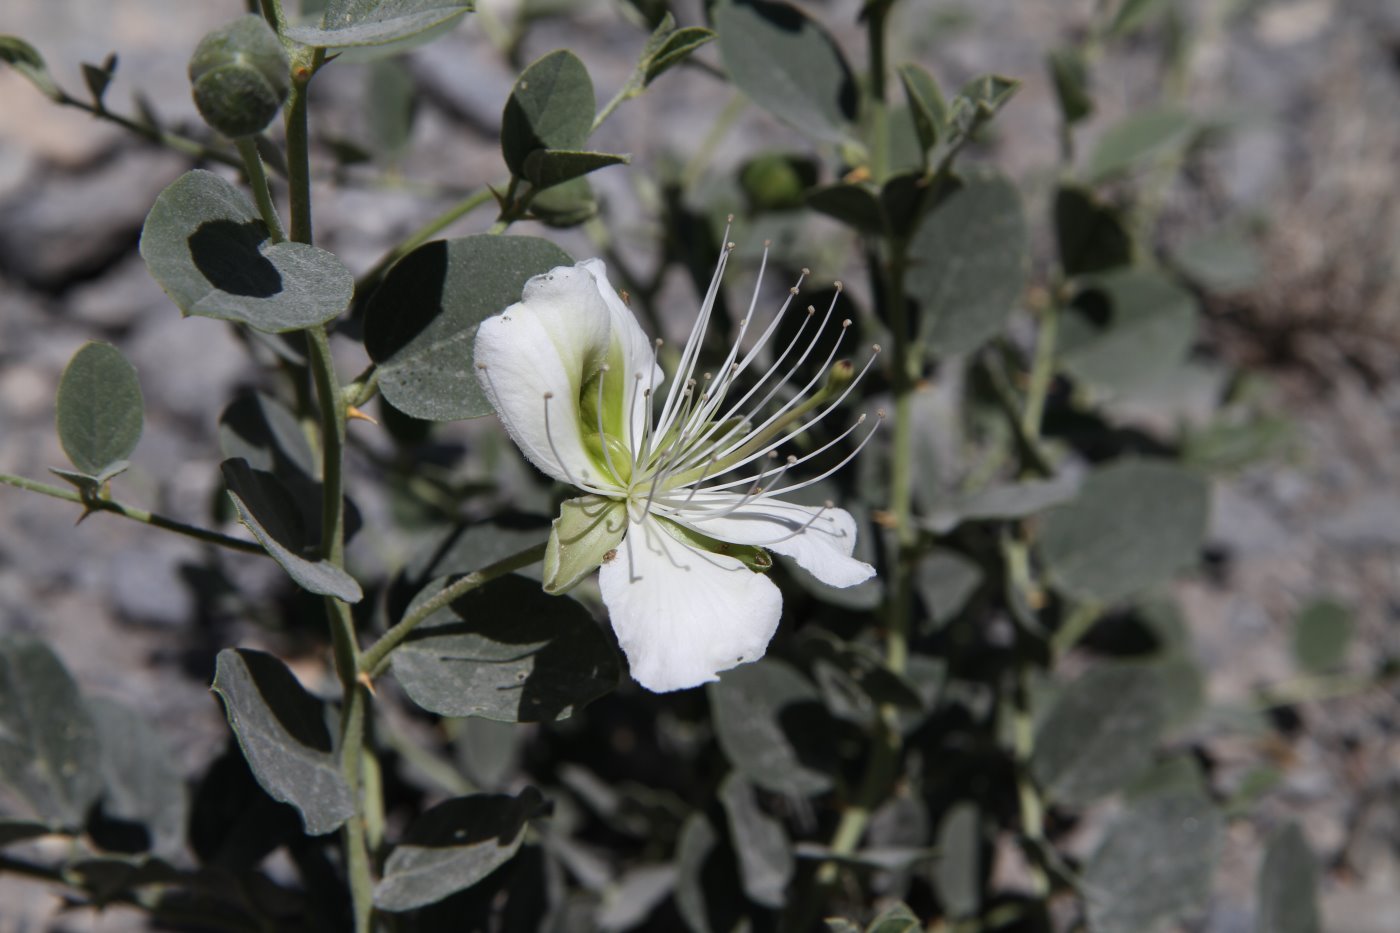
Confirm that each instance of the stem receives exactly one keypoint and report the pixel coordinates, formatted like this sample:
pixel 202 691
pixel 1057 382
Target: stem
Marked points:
pixel 422 235
pixel 304 66
pixel 332 405
pixel 1028 796
pixel 272 12
pixel 878 13
pixel 353 832
pixel 257 180
pixel 135 514
pixel 183 144
pixel 622 94
pixel 376 654
pixel 1042 370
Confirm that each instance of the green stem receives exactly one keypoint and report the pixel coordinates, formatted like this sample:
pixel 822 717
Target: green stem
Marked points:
pixel 1032 809
pixel 376 654
pixel 361 880
pixel 1042 370
pixel 175 141
pixel 272 12
pixel 422 235
pixel 622 94
pixel 364 388
pixel 135 514
pixel 257 180
pixel 877 17
pixel 304 65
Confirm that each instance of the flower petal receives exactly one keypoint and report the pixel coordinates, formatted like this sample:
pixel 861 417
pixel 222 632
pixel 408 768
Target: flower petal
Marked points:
pixel 683 615
pixel 633 354
pixel 549 343
pixel 821 540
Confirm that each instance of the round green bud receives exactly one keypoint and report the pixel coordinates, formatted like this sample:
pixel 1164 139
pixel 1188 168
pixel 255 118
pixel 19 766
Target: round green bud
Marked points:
pixel 777 181
pixel 241 76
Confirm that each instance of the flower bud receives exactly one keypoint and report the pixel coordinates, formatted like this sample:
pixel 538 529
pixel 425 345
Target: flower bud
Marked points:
pixel 240 74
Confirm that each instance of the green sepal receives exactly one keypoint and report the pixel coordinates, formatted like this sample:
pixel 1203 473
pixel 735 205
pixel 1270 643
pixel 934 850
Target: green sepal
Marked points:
pixel 586 532
pixel 750 555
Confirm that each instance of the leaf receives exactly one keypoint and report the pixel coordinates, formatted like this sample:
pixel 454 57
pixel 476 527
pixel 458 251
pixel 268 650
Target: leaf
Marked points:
pixel 453 845
pixel 946 580
pixel 1321 635
pixel 1100 733
pixel 99 410
pixel 142 782
pixel 97 77
pixel 896 919
pixel 551 106
pixel 1131 15
pixel 1134 524
pixel 566 205
pixel 420 323
pixel 207 247
pixel 958 872
pixel 271 513
pixel 676 48
pixel 376 22
pixel 390 107
pixel 49 757
pixel 789 65
pixel 697 840
pixel 24 58
pixel 1155 864
pixel 1092 236
pixel 967 264
pixel 1288 885
pixel 283 733
pixel 1140 138
pixel 261 430
pixel 1003 502
pixel 855 205
pixel 771 725
pixel 580 539
pixel 1128 330
pixel 545 168
pixel 1221 261
pixel 926 104
pixel 506 651
pixel 634 896
pixel 766 864
pixel 973 106
pixel 1069 72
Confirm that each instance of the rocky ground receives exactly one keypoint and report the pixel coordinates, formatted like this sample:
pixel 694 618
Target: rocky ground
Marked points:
pixel 1313 168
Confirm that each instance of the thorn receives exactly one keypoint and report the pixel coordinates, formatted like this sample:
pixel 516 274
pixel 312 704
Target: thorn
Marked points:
pixel 354 414
pixel 884 519
pixel 364 680
pixel 858 174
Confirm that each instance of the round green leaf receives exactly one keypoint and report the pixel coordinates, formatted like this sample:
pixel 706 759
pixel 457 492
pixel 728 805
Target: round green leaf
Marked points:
pixel 1092 236
pixel 376 22
pixel 505 651
pixel 967 264
pixel 789 65
pixel 1138 139
pixel 1133 525
pixel 958 871
pixel 766 863
pixel 49 757
pixel 551 107
pixel 99 408
pixel 453 846
pixel 283 734
pixel 1101 733
pixel 420 323
pixel 772 726
pixel 1155 864
pixel 142 782
pixel 206 245
pixel 274 517
pixel 1321 635
pixel 1130 329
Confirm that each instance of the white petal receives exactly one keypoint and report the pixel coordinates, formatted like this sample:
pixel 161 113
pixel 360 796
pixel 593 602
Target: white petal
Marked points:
pixel 550 342
pixel 637 352
pixel 820 540
pixel 683 615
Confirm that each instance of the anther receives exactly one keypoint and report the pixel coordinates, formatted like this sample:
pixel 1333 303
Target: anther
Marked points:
pixel 793 290
pixel 481 366
pixel 806 271
pixel 880 413
pixel 846 323
pixel 875 348
pixel 837 285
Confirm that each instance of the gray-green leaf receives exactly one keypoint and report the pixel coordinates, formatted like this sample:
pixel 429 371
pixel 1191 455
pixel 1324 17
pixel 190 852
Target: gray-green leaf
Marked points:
pixel 143 784
pixel 958 871
pixel 771 724
pixel 1133 525
pixel 284 737
pixel 1155 864
pixel 551 107
pixel 99 411
pixel 453 846
pixel 1288 886
pixel 271 513
pixel 1139 139
pixel 1092 236
pixel 506 651
pixel 789 65
pixel 545 168
pixel 26 59
pixel 376 22
pixel 49 755
pixel 1101 733
pixel 766 863
pixel 207 246
pixel 967 264
pixel 420 324
pixel 1130 329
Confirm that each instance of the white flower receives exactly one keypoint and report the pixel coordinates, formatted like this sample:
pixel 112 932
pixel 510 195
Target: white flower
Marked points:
pixel 681 484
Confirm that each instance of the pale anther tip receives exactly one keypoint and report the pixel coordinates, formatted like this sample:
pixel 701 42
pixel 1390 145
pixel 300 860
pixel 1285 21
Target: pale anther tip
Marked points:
pixel 481 366
pixel 767 243
pixel 729 245
pixel 875 347
pixel 837 285
pixel 880 413
pixel 793 290
pixel 846 322
pixel 729 219
pixel 791 459
pixel 861 419
pixel 806 271
pixel 828 504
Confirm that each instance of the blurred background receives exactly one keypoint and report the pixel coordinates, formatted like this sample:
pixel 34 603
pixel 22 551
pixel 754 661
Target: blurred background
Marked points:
pixel 1287 215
